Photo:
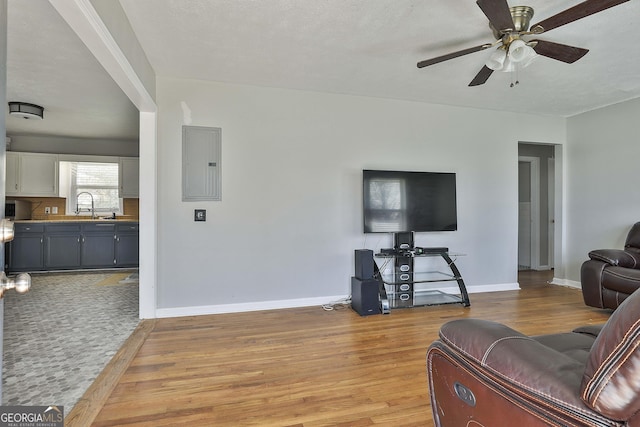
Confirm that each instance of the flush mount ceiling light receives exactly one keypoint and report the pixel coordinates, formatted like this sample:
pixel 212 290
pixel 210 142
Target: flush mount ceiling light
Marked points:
pixel 26 110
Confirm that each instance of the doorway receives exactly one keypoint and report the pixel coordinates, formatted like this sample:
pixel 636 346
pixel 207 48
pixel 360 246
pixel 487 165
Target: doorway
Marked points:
pixel 537 208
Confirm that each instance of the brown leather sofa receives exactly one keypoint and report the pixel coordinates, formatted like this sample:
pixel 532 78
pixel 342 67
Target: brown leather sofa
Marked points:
pixel 611 275
pixel 483 373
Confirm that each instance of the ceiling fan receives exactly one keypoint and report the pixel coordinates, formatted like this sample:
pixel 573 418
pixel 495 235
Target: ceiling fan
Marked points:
pixel 511 24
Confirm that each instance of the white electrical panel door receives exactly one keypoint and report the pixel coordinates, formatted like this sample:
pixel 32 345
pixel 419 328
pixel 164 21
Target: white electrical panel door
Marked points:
pixel 201 168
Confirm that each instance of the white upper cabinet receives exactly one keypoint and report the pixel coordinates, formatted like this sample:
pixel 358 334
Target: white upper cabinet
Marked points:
pixel 32 174
pixel 129 177
pixel 13 179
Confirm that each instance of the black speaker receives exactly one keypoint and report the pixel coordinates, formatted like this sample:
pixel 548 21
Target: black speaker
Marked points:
pixel 364 296
pixel 364 264
pixel 403 241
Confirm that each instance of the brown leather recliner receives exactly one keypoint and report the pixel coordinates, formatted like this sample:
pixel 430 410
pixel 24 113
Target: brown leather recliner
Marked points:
pixel 483 373
pixel 611 275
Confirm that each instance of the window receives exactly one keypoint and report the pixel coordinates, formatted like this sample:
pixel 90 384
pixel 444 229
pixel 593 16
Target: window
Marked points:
pixel 91 182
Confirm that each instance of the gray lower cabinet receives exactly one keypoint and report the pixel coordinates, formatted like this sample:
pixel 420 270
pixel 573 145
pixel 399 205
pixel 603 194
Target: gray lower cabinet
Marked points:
pixel 62 246
pixel 98 249
pixel 26 251
pixel 127 245
pixel 72 246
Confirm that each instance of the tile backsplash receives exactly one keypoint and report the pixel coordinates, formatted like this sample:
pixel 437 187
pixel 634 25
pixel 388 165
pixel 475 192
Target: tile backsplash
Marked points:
pixel 130 207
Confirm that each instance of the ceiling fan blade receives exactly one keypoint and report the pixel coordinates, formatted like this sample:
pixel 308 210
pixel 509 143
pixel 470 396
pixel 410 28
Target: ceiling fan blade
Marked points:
pixel 452 55
pixel 482 77
pixel 498 14
pixel 560 52
pixel 579 11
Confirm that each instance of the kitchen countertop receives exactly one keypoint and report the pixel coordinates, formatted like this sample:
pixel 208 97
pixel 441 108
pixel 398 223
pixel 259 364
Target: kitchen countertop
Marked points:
pixel 83 220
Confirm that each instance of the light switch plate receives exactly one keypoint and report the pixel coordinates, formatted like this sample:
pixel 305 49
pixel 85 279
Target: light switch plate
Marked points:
pixel 200 215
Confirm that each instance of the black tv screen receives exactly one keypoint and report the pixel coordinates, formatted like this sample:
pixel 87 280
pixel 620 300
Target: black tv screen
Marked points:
pixel 398 201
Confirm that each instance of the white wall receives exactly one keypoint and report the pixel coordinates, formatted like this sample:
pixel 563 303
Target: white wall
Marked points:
pixel 602 189
pixel 290 215
pixel 67 145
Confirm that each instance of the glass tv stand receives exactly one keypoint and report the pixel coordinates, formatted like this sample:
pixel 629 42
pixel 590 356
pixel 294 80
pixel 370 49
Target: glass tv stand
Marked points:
pixel 404 284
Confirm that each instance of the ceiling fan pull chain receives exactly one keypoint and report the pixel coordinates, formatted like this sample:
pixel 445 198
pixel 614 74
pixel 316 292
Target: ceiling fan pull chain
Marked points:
pixel 514 72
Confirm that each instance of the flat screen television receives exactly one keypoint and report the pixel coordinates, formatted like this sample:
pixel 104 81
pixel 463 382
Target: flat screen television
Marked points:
pixel 400 201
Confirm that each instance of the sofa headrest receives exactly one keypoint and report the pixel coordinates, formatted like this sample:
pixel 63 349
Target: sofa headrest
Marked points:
pixel 633 238
pixel 610 384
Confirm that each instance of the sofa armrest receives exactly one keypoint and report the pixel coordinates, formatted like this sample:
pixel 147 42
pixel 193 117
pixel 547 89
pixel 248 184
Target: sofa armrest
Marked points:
pixel 524 364
pixel 615 257
pixel 610 385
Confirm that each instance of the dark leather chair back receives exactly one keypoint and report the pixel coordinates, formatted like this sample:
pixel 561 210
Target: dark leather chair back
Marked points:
pixel 633 238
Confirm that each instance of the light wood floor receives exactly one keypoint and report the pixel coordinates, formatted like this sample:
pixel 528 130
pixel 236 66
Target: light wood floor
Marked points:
pixel 309 367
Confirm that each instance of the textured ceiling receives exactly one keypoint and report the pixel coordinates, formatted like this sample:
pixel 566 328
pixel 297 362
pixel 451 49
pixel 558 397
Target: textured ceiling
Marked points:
pixel 371 48
pixel 48 65
pixel 357 47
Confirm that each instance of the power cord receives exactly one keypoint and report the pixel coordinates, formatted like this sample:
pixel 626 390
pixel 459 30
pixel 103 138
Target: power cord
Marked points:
pixel 337 305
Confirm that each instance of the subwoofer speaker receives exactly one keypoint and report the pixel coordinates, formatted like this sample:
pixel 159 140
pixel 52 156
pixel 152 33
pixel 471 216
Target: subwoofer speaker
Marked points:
pixel 364 296
pixel 364 264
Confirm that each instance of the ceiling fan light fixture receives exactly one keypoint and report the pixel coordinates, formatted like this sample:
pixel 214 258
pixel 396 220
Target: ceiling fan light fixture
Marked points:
pixel 529 59
pixel 508 66
pixel 26 110
pixel 520 52
pixel 510 24
pixel 497 59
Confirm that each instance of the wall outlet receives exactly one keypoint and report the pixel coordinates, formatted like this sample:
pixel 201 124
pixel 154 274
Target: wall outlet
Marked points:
pixel 47 210
pixel 54 210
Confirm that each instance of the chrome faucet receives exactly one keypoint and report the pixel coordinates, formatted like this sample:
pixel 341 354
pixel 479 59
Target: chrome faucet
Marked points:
pixel 93 209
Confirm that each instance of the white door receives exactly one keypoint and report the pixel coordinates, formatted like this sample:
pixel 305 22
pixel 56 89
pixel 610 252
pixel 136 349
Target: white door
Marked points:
pixel 551 173
pixel 529 213
pixel 524 236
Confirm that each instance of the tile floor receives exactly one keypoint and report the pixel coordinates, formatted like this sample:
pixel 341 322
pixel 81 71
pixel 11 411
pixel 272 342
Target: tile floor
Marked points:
pixel 60 335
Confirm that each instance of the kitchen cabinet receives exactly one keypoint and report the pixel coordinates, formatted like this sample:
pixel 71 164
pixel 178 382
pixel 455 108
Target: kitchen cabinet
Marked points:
pixel 98 247
pixel 26 251
pixel 62 246
pixel 51 246
pixel 32 174
pixel 129 177
pixel 127 246
pixel 12 178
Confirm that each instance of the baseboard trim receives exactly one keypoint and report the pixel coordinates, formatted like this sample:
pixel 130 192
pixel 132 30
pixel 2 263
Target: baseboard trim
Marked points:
pixel 248 306
pixel 566 282
pixel 301 302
